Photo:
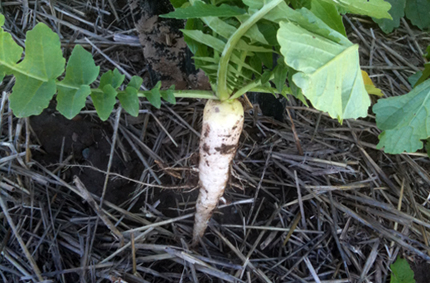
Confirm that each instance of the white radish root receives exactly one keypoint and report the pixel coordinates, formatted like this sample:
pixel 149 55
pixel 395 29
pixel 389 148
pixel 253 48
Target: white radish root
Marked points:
pixel 222 126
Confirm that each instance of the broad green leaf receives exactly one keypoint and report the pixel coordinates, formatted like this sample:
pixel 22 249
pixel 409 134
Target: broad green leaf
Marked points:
pixel 418 12
pixel 329 14
pixel 129 99
pixel 81 71
pixel 104 100
pixel 154 97
pixel 372 8
pixel 401 272
pixel 397 12
pixel 11 52
pixel 404 120
pixel 35 75
pixel 328 73
pixel 168 95
pixel 201 9
pixel 425 74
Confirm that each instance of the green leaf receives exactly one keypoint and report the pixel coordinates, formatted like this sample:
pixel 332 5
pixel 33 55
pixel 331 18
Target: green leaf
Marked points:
pixel 428 147
pixel 129 99
pixel 372 8
pixel 401 272
pixel 253 4
pixel 328 72
pixel 307 20
pixel 81 71
pixel 201 9
pixel 298 4
pixel 404 120
pixel 178 3
pixel 329 14
pixel 168 95
pixel 280 73
pixel 397 12
pixel 425 74
pixel 104 101
pixel 414 78
pixel 205 39
pixel 11 52
pixel 113 78
pixel 427 54
pixel 418 12
pixel 154 97
pixel 35 75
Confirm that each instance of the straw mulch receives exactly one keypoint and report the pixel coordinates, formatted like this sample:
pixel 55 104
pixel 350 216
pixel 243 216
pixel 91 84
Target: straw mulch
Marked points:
pixel 309 200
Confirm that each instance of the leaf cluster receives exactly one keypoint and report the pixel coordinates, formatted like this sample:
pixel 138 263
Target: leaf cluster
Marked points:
pixel 405 120
pixel 417 11
pixel 38 72
pixel 302 42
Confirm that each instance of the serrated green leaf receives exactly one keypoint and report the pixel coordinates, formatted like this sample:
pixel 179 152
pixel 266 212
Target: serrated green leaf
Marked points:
pixel 401 272
pixel 404 120
pixel 129 99
pixel 169 96
pixel 154 97
pixel 397 12
pixel 329 14
pixel 418 12
pixel 195 47
pixel 201 9
pixel 35 75
pixel 81 71
pixel 104 100
pixel 205 39
pixel 11 52
pixel 328 72
pixel 373 8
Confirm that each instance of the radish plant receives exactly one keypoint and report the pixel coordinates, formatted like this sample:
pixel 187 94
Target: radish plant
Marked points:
pixel 235 43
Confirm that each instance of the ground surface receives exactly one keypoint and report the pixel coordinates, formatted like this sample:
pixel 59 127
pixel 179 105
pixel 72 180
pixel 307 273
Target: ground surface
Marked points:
pixel 305 173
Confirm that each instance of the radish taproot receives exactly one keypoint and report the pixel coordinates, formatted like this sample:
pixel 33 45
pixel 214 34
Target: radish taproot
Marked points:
pixel 221 129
